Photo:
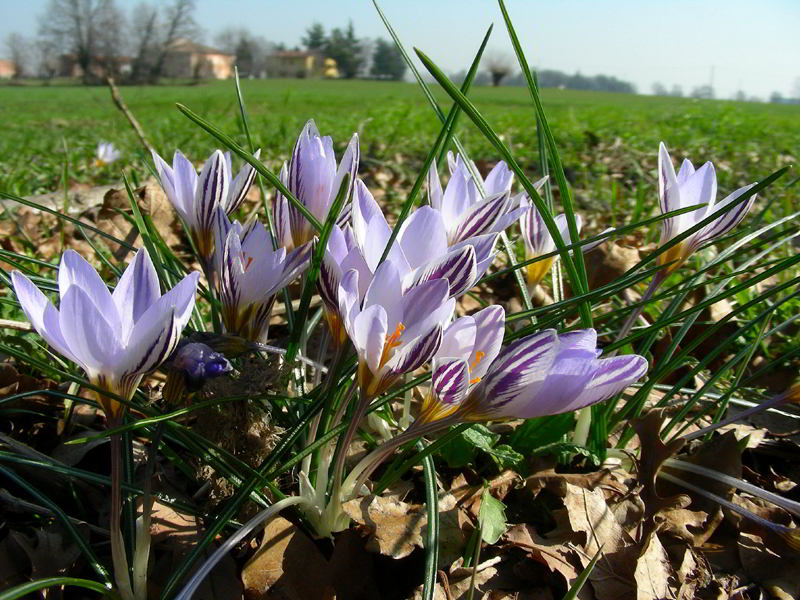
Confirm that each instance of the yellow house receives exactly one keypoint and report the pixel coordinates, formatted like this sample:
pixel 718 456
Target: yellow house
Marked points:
pixel 187 59
pixel 301 64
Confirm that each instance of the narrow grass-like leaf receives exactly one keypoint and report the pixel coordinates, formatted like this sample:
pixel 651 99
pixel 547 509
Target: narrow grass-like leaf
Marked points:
pixel 25 589
pixel 432 531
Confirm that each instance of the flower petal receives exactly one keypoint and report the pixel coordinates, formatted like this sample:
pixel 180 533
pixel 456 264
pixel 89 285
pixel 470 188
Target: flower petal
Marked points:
pixel 482 216
pixel 434 187
pixel 185 180
pixel 241 185
pixel 611 376
pixel 92 341
pixel 386 290
pixel 728 219
pixel 138 288
pixel 415 352
pixel 41 313
pixel 490 329
pixel 369 334
pixel 458 267
pixel 668 192
pixel 499 180
pixel 458 339
pixel 422 236
pixel 212 190
pixel 449 380
pixel 151 343
pixel 75 271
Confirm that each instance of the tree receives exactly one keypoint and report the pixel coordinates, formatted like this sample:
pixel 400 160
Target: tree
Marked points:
pixel 345 49
pixel 89 29
pixel 676 91
pixel 314 39
pixel 740 96
pixel 251 51
pixel 659 89
pixel 387 61
pixel 18 49
pixel 704 92
pixel 776 98
pixel 178 22
pixel 499 66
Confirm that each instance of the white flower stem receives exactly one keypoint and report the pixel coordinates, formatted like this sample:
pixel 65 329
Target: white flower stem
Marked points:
pixel 244 530
pixel 118 555
pixel 141 553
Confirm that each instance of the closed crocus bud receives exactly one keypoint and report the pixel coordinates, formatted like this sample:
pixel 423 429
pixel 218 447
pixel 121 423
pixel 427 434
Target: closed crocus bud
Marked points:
pixel 192 365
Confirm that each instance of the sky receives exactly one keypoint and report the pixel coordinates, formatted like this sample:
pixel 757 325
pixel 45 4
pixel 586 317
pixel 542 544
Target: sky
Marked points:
pixel 734 45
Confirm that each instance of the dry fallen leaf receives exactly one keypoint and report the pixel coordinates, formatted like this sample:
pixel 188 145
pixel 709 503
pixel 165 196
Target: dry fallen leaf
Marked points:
pixel 395 528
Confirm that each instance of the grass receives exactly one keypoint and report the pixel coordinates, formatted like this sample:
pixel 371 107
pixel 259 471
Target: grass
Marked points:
pixel 608 142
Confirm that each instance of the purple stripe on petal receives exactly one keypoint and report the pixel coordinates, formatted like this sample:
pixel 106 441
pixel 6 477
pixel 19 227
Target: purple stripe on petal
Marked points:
pixel 450 380
pixel 730 219
pixel 482 216
pixel 415 353
pixel 459 268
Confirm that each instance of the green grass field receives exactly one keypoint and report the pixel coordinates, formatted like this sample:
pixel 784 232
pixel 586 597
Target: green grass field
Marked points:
pixel 608 142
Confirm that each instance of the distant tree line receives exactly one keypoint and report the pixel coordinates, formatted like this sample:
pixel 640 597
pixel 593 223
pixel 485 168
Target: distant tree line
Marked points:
pixel 497 71
pixel 356 57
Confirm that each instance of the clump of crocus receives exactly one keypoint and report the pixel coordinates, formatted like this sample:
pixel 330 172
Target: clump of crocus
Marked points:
pixel 688 188
pixel 420 253
pixel 114 337
pixel 250 274
pixel 106 154
pixel 311 175
pixel 196 198
pixel 542 374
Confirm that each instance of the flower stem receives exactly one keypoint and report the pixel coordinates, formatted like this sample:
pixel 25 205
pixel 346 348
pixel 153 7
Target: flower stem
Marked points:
pixel 141 553
pixel 118 555
pixel 657 280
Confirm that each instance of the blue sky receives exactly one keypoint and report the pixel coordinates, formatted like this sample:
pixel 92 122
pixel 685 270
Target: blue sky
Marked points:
pixel 754 46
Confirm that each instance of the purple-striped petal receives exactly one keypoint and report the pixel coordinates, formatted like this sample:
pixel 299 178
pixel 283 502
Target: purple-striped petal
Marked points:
pixel 449 380
pixel 728 218
pixel 458 267
pixel 611 376
pixel 415 352
pixel 482 216
pixel 150 344
pixel 212 191
pixel 241 185
pixel 518 371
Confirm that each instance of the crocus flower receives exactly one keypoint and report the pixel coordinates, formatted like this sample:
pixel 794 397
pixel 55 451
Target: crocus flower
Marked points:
pixel 549 373
pixel 690 187
pixel 393 332
pixel 467 213
pixel 469 346
pixel 106 154
pixel 196 198
pixel 420 253
pixel 538 242
pixel 114 337
pixel 250 274
pixel 312 176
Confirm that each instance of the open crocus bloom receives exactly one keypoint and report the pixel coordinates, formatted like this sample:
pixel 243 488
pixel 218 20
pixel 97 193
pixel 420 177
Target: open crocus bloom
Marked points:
pixel 196 198
pixel 420 253
pixel 549 373
pixel 250 274
pixel 106 154
pixel 393 332
pixel 469 346
pixel 313 178
pixel 690 187
pixel 115 337
pixel 464 210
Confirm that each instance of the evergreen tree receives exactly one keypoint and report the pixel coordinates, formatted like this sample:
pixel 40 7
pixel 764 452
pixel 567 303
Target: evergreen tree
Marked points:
pixel 387 61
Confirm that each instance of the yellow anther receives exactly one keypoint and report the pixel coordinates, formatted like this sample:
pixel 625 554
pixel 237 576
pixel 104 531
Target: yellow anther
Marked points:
pixel 478 358
pixel 248 263
pixel 474 380
pixel 392 342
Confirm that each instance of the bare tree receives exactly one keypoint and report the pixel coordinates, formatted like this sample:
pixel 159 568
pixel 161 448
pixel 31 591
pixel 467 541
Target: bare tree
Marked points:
pixel 251 51
pixel 499 66
pixel 144 21
pixel 179 22
pixel 18 49
pixel 88 29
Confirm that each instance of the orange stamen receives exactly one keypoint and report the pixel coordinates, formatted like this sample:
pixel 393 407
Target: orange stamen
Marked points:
pixel 248 263
pixel 478 358
pixel 392 342
pixel 474 381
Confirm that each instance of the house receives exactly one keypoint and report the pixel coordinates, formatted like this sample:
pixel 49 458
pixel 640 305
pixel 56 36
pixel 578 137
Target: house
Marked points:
pixel 301 64
pixel 187 59
pixel 7 69
pixel 100 67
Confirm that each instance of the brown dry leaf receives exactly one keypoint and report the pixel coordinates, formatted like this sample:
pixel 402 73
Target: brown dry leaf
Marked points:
pixel 653 573
pixel 608 262
pixel 654 453
pixel 588 513
pixel 769 562
pixel 684 524
pixel 50 554
pixel 270 573
pixel 395 528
